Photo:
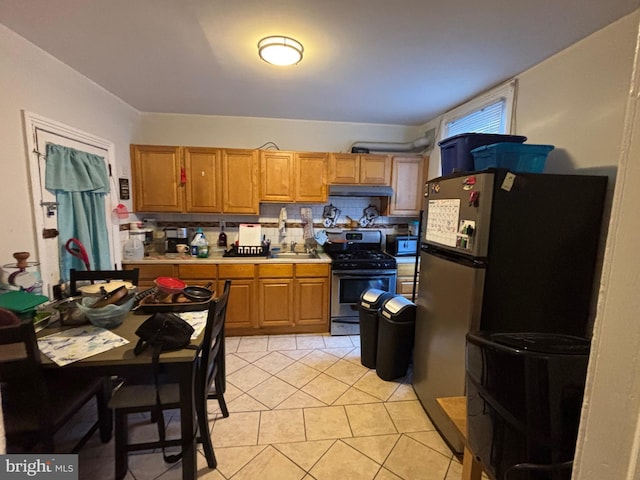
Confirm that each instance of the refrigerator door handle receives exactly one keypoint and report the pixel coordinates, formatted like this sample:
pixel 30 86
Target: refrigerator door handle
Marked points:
pixel 460 259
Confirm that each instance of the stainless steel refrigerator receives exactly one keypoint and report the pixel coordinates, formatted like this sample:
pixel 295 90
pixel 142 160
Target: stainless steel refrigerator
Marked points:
pixel 501 252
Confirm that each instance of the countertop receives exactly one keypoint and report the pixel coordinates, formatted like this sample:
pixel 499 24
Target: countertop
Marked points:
pixel 217 258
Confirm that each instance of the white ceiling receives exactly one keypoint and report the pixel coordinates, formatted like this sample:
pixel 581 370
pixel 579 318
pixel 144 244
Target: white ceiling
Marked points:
pixel 374 61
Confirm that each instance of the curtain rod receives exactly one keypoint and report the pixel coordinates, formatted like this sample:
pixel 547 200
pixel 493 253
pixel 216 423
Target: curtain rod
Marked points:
pixel 68 138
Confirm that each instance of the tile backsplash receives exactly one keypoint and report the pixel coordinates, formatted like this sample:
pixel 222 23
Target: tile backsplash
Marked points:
pixel 352 207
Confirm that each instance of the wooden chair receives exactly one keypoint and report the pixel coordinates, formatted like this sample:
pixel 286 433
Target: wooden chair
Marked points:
pixel 38 403
pixel 135 398
pixel 100 275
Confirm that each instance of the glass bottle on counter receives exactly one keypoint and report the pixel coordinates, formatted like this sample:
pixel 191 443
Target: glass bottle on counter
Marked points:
pixel 222 238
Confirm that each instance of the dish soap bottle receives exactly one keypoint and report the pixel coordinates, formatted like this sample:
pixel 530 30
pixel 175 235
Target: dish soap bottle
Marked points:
pixel 222 238
pixel 199 244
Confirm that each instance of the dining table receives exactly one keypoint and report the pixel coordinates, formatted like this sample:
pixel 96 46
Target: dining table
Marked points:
pixel 121 361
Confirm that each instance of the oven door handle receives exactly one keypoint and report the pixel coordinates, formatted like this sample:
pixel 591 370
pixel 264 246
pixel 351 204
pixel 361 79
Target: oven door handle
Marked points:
pixel 364 274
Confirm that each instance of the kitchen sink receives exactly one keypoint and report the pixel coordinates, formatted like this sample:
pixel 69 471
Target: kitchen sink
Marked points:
pixel 294 255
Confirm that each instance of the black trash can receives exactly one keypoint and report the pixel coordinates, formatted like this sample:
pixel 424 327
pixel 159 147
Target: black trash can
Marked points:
pixel 370 302
pixel 524 398
pixel 396 323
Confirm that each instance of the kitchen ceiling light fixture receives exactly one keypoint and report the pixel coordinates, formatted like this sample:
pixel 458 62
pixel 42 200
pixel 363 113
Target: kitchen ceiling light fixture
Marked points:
pixel 279 50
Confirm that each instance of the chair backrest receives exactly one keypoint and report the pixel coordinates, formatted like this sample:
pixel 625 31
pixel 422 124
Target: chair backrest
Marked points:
pixel 23 388
pixel 105 275
pixel 213 343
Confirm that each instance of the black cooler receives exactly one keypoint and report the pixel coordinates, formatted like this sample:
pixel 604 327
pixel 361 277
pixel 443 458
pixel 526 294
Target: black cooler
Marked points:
pixel 397 318
pixel 370 302
pixel 524 396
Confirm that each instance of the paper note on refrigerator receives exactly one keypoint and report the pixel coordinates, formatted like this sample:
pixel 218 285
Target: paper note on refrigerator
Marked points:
pixel 442 221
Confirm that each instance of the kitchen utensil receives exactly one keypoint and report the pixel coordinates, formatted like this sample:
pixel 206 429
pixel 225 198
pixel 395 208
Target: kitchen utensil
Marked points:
pixel 76 248
pixel 330 215
pixel 110 297
pixel 369 216
pixel 351 222
pixel 70 314
pixel 106 316
pixel 198 294
pixel 100 289
pixel 169 285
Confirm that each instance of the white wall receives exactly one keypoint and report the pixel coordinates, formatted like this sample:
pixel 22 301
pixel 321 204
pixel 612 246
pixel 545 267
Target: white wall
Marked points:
pixel 33 80
pixel 576 101
pixel 251 132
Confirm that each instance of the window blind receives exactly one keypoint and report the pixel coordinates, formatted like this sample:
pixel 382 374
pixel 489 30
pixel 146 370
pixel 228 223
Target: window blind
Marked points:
pixel 488 119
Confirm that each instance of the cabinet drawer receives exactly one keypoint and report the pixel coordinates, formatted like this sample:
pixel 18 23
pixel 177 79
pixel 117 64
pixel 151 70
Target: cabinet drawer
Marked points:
pixel 312 270
pixel 404 286
pixel 280 270
pixel 406 269
pixel 197 271
pixel 236 271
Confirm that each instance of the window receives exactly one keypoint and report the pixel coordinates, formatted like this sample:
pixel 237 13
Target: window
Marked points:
pixel 489 119
pixel 488 113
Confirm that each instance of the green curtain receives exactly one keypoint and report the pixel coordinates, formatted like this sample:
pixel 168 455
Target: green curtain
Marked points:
pixel 80 183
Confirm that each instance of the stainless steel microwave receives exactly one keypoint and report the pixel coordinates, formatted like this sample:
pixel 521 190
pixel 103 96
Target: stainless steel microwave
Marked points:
pixel 400 245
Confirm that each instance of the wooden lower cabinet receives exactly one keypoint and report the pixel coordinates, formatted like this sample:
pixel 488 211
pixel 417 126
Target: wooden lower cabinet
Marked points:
pixel 404 283
pixel 148 273
pixel 242 314
pixel 199 275
pixel 312 296
pixel 265 298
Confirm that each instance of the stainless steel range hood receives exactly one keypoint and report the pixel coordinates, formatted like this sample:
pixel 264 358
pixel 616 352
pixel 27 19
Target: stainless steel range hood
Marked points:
pixel 360 190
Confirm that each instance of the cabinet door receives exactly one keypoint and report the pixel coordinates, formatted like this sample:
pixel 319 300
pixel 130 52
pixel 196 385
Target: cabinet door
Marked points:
pixel 204 177
pixel 375 169
pixel 277 176
pixel 312 301
pixel 275 302
pixel 311 177
pixel 241 311
pixel 345 168
pixel 240 181
pixel 156 177
pixel 408 186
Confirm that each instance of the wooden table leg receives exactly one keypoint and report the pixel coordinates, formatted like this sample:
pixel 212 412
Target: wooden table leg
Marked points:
pixel 471 468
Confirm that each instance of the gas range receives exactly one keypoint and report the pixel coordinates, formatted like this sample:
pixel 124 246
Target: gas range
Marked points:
pixel 358 250
pixel 361 259
pixel 357 264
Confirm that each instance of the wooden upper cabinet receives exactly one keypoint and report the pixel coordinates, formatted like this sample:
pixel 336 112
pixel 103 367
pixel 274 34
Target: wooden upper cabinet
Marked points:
pixel 375 169
pixel 363 169
pixel 276 176
pixel 345 168
pixel 408 178
pixel 203 180
pixel 293 177
pixel 240 186
pixel 156 177
pixel 311 177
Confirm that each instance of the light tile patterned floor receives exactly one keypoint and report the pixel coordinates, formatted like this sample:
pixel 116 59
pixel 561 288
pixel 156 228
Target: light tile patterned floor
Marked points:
pixel 302 408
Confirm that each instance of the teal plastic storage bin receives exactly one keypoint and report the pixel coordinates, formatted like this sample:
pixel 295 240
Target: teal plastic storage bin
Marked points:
pixel 514 156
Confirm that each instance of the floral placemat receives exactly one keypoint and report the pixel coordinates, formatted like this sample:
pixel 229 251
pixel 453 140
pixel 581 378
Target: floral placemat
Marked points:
pixel 197 320
pixel 78 343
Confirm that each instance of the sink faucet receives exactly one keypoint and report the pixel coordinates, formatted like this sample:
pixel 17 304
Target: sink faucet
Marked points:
pixel 293 246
